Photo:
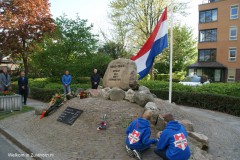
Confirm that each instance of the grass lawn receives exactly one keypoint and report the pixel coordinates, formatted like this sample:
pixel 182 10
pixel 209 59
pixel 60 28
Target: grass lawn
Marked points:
pixel 5 114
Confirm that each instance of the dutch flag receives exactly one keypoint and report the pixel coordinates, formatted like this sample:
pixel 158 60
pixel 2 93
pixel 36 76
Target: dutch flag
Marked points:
pixel 155 44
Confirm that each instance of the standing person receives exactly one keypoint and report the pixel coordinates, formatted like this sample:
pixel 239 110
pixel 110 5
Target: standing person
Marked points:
pixel 23 86
pixel 173 144
pixel 138 135
pixel 95 79
pixel 66 81
pixel 4 80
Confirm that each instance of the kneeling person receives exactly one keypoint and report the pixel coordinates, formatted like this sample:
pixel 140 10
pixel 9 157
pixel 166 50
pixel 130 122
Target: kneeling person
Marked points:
pixel 138 135
pixel 173 144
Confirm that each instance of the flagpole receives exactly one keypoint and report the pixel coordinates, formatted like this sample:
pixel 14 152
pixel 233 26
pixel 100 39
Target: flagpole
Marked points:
pixel 171 53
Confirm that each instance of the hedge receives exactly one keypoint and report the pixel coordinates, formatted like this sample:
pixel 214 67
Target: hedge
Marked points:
pixel 43 94
pixel 228 89
pixel 221 103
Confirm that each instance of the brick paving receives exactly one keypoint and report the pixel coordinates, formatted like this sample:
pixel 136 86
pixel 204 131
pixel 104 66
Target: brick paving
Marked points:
pixel 81 141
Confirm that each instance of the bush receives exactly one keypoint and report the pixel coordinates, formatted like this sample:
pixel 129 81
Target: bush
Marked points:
pixel 228 89
pixel 225 104
pixel 43 94
pixel 38 82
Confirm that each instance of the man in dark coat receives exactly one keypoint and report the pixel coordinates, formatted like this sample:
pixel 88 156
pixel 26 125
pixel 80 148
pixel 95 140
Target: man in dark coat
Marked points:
pixel 5 80
pixel 23 86
pixel 95 79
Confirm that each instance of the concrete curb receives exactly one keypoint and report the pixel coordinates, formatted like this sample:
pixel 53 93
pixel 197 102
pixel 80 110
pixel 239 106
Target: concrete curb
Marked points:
pixel 17 143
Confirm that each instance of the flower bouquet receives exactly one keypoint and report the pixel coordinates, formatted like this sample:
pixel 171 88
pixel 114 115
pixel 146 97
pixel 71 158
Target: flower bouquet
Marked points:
pixel 54 104
pixel 83 95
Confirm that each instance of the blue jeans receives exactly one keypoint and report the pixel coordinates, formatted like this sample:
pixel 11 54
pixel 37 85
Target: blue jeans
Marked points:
pixel 161 153
pixel 66 89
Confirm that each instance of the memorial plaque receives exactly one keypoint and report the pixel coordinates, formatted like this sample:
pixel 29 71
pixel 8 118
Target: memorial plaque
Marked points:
pixel 121 73
pixel 69 115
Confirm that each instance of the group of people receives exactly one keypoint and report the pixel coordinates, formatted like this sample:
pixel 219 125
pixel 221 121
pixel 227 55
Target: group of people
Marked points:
pixel 171 143
pixel 67 80
pixel 5 81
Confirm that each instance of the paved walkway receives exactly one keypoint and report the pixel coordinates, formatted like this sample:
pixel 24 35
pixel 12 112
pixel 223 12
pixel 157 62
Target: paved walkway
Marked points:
pixel 8 151
pixel 35 103
pixel 223 131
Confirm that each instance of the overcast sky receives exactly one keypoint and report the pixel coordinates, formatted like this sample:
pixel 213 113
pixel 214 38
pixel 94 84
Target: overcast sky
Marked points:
pixel 95 11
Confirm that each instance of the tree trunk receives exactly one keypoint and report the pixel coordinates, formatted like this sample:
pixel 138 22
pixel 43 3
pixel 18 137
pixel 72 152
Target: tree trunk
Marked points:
pixel 25 57
pixel 152 73
pixel 25 63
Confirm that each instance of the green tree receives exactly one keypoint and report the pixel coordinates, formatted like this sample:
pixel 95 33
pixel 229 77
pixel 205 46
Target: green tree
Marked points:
pixel 134 20
pixel 113 49
pixel 184 51
pixel 72 46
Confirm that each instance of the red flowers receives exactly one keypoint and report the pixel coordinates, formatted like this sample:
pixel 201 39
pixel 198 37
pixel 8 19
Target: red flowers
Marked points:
pixel 6 93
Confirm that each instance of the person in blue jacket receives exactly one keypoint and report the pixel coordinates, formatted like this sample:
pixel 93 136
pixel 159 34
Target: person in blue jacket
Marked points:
pixel 66 81
pixel 173 144
pixel 138 135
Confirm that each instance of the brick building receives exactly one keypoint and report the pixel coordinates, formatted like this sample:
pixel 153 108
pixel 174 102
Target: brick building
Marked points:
pixel 219 41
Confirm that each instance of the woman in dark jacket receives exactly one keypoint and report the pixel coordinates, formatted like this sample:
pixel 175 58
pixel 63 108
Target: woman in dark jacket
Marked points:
pixel 95 79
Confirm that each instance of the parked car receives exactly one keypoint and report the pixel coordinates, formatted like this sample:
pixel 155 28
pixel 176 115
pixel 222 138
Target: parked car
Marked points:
pixel 195 80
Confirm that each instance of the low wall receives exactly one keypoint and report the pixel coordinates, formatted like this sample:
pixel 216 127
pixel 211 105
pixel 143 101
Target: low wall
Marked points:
pixel 12 102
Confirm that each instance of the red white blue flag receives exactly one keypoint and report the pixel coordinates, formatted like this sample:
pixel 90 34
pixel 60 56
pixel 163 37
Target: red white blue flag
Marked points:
pixel 155 44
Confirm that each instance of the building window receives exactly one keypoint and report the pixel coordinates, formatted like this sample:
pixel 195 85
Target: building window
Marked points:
pixel 208 16
pixel 233 33
pixel 231 75
pixel 209 35
pixel 207 55
pixel 232 54
pixel 234 12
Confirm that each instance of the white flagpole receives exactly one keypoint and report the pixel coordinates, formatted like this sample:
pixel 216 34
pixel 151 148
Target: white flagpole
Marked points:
pixel 171 54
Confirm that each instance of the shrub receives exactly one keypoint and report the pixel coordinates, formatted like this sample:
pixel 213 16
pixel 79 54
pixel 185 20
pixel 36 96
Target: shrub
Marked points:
pixel 38 82
pixel 225 104
pixel 43 94
pixel 85 80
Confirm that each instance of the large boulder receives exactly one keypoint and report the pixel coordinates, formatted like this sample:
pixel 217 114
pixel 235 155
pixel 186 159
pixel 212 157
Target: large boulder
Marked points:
pixel 94 93
pixel 144 89
pixel 199 140
pixel 142 98
pixel 117 94
pixel 121 73
pixel 159 123
pixel 106 93
pixel 197 153
pixel 129 95
pixel 187 124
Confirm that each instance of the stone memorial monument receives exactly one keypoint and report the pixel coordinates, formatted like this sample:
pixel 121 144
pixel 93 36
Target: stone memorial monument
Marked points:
pixel 121 73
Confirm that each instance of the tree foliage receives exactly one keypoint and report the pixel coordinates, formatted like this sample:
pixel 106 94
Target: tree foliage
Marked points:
pixel 134 20
pixel 184 51
pixel 72 46
pixel 113 49
pixel 21 24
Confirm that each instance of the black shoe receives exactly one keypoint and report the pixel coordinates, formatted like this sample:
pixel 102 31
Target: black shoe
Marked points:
pixel 130 152
pixel 137 155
